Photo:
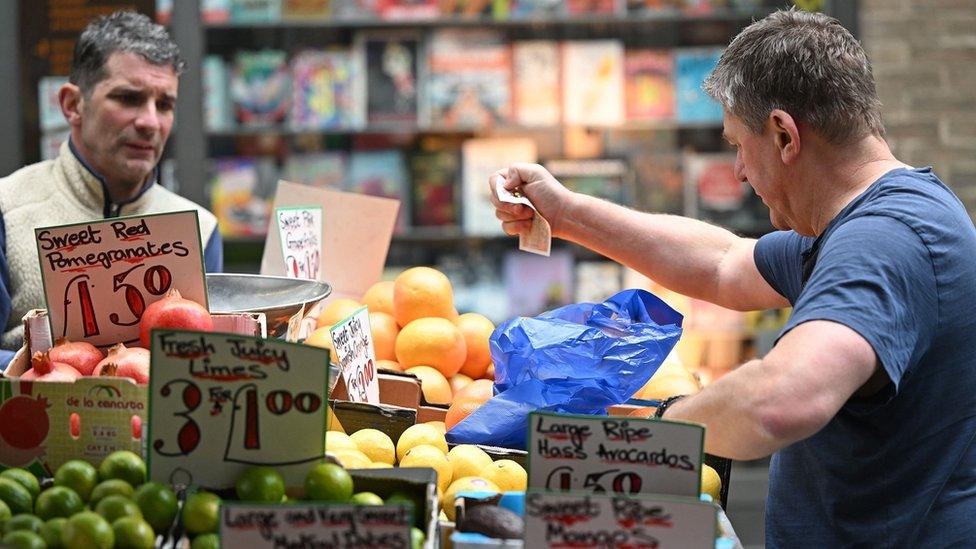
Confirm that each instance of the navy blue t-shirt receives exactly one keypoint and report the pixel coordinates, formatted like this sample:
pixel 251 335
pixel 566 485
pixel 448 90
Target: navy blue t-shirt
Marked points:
pixel 898 266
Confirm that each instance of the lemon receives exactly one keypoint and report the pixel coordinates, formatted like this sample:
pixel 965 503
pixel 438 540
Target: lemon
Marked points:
pixel 425 455
pixel 334 440
pixel 711 483
pixel 439 425
pixel 380 465
pixel 333 422
pixel 351 459
pixel 377 446
pixel 468 461
pixel 509 475
pixel 465 484
pixel 421 433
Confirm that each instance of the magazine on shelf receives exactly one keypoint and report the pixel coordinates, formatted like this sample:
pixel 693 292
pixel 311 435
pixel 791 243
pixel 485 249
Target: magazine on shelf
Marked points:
pixel 255 11
pixel 589 7
pixel 318 169
pixel 324 90
pixel 606 178
pixel 407 9
pixel 217 113
pixel 435 177
pixel 691 67
pixel 239 198
pixel 381 173
pixel 649 84
pixel 215 11
pixel 535 284
pixel 653 6
pixel 51 142
pixel 537 100
pixel 714 194
pixel 392 77
pixel 593 82
pixel 49 103
pixel 481 158
pixel 260 87
pixel 468 79
pixel 596 281
pixel 472 8
pixel 306 10
pixel 659 183
pixel 535 9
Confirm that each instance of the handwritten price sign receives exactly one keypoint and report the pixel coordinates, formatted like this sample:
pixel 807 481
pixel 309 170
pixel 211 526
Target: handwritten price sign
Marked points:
pixel 300 231
pixel 220 403
pixel 353 342
pixel 612 455
pixel 317 525
pixel 589 520
pixel 99 277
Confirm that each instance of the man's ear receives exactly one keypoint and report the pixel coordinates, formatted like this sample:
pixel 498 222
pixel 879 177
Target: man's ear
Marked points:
pixel 785 134
pixel 72 101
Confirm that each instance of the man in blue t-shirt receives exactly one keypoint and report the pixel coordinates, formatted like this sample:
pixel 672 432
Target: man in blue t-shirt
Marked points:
pixel 867 402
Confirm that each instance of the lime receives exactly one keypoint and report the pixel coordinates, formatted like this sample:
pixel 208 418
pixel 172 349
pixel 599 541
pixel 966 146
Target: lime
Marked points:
pixel 115 507
pixel 262 484
pixel 78 475
pixel 24 539
pixel 401 498
pixel 25 478
pixel 417 538
pixel 15 496
pixel 133 533
pixel 366 498
pixel 328 482
pixel 158 505
pixel 58 501
pixel 201 513
pixel 4 511
pixel 23 521
pixel 87 530
pixel 115 486
pixel 206 541
pixel 51 532
pixel 124 465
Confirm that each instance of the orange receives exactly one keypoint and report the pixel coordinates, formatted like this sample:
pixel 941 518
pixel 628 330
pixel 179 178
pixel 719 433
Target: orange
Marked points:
pixel 432 342
pixel 459 410
pixel 490 372
pixel 379 297
pixel 476 329
pixel 336 310
pixel 669 383
pixel 479 389
pixel 435 387
pixel 384 329
pixel 322 337
pixel 646 411
pixel 458 382
pixel 421 292
pixel 388 365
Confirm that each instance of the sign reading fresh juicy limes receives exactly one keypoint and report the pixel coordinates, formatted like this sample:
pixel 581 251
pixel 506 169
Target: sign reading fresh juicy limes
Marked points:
pixel 221 403
pixel 353 342
pixel 553 519
pixel 100 276
pixel 614 455
pixel 315 525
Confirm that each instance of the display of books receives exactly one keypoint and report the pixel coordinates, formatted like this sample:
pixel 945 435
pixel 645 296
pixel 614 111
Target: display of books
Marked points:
pixel 435 176
pixel 649 88
pixel 260 87
pixel 480 159
pixel 255 11
pixel 216 99
pixel 606 178
pixel 323 90
pixel 535 284
pixel 319 169
pixel 391 78
pixel 586 7
pixel 714 194
pixel 238 197
pixel 306 10
pixel 691 67
pixel 593 82
pixel 596 281
pixel 647 6
pixel 535 69
pixel 49 103
pixel 468 79
pixel 381 173
pixel 406 9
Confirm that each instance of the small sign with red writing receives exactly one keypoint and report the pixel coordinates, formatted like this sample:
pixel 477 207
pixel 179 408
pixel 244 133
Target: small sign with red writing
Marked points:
pixel 615 455
pixel 557 520
pixel 221 403
pixel 353 342
pixel 100 276
pixel 300 233
pixel 315 525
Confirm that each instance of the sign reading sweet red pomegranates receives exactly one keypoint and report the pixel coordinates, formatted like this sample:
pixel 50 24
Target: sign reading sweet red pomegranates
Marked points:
pixel 101 276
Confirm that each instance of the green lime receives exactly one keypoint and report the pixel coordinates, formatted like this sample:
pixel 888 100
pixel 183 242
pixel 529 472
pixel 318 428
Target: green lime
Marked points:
pixel 25 478
pixel 206 541
pixel 262 484
pixel 328 482
pixel 124 465
pixel 115 507
pixel 417 538
pixel 15 496
pixel 158 505
pixel 78 475
pixel 366 498
pixel 87 530
pixel 201 513
pixel 133 533
pixel 111 487
pixel 22 539
pixel 23 521
pixel 4 511
pixel 51 532
pixel 403 499
pixel 58 501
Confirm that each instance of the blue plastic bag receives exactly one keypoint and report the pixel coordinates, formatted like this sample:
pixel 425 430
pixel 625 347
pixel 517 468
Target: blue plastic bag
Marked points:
pixel 577 359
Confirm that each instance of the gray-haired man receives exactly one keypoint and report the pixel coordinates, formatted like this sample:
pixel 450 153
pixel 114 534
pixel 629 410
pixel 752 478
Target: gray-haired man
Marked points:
pixel 867 402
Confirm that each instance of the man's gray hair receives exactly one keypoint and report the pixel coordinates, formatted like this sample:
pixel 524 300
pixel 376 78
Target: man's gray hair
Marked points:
pixel 122 31
pixel 806 64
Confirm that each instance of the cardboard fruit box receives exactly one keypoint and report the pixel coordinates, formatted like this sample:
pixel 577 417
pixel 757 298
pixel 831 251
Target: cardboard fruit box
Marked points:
pixel 44 424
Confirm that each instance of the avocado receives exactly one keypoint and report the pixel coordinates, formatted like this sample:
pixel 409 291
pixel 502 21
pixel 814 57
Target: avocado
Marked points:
pixel 492 521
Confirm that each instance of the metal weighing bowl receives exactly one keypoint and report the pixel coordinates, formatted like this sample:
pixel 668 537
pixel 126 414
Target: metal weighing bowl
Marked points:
pixel 278 297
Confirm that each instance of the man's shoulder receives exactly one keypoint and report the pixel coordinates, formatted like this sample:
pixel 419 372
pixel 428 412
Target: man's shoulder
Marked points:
pixel 25 184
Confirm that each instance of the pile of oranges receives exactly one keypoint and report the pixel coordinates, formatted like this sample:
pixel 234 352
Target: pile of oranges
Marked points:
pixel 417 330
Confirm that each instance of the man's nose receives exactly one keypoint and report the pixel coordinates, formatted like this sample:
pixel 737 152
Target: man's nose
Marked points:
pixel 147 120
pixel 740 169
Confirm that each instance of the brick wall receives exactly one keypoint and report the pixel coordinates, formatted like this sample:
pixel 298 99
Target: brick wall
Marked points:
pixel 924 57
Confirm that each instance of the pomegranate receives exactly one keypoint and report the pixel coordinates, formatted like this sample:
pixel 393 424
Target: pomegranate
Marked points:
pixel 23 421
pixel 45 369
pixel 79 355
pixel 175 312
pixel 122 361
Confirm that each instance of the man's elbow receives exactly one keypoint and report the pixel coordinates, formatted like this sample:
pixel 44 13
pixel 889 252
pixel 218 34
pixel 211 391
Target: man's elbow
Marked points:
pixel 788 422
